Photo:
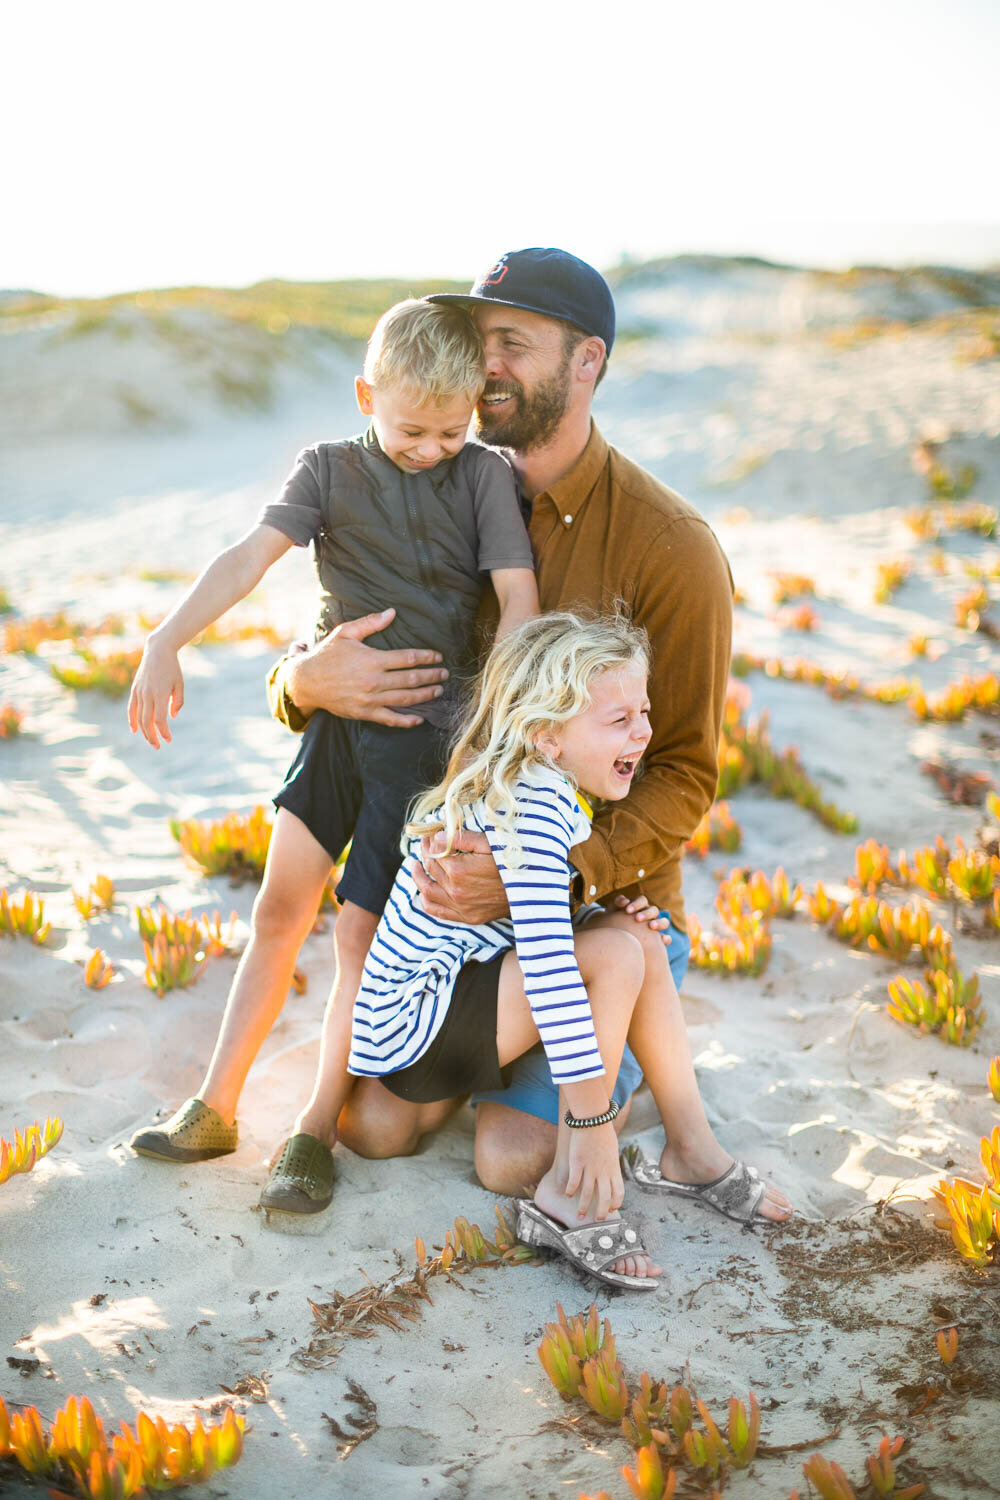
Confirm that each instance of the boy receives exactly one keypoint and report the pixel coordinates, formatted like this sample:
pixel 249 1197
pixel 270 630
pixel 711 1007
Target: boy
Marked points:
pixel 410 513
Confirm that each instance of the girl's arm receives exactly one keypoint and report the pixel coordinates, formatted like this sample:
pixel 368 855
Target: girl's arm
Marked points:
pixel 538 893
pixel 159 683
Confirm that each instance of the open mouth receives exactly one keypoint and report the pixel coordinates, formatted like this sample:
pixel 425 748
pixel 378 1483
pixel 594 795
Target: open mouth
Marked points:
pixel 496 398
pixel 626 766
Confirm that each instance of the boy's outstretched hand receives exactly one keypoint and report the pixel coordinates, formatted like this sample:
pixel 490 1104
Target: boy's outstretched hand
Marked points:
pixel 157 691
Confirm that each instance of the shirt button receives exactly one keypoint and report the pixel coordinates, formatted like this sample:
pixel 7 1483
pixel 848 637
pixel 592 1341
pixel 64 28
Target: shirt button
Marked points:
pixel 641 873
pixel 568 520
pixel 592 891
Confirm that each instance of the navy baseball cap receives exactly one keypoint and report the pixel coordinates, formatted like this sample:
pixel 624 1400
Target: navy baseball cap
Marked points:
pixel 551 282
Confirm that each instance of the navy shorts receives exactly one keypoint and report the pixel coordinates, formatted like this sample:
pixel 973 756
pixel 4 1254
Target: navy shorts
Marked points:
pixel 531 1088
pixel 352 782
pixel 463 1055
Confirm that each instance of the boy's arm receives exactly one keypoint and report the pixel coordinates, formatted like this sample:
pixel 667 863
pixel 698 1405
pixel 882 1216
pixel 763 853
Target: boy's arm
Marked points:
pixel 159 683
pixel 517 595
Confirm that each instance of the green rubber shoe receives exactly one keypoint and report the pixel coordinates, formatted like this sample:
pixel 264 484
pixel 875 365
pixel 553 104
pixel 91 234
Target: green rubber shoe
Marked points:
pixel 194 1133
pixel 301 1181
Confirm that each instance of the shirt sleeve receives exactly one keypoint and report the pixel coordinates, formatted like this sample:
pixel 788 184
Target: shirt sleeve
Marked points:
pixel 683 596
pixel 279 699
pixel 502 535
pixel 538 893
pixel 298 511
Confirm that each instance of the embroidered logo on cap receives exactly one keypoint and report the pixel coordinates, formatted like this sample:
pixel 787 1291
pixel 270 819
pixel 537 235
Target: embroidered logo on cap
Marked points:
pixel 496 274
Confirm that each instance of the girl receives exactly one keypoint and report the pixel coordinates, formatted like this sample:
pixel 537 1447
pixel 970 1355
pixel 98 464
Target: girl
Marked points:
pixel 444 1009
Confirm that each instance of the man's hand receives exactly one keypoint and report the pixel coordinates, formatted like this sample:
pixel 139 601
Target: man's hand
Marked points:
pixel 463 886
pixel 355 681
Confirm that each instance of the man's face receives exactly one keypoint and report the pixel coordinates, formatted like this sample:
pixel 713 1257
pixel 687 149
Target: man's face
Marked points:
pixel 528 379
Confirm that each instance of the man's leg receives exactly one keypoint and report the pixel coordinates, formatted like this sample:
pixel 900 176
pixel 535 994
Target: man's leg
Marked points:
pixel 513 1145
pixel 376 1124
pixel 297 869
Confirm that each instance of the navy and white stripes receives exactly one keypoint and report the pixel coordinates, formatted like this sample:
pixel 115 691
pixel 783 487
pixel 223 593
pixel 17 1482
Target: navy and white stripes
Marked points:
pixel 414 959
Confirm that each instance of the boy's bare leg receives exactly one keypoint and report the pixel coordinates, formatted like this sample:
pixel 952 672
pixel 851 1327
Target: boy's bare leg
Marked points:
pixel 297 870
pixel 352 938
pixel 511 1146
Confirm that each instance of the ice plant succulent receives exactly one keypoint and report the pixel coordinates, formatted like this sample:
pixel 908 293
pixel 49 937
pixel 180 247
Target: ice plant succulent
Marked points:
pixel 158 1456
pixel 11 719
pixel 950 1008
pixel 792 586
pixel 28 1148
pixel 972 873
pixel 236 845
pixel 110 673
pixel 97 971
pixel 972 1217
pixel 718 829
pixel 23 916
pixel 872 867
pixel 993 1078
pixel 890 576
pixel 99 896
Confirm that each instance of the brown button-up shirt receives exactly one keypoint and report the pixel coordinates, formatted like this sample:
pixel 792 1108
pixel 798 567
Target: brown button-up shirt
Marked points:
pixel 608 533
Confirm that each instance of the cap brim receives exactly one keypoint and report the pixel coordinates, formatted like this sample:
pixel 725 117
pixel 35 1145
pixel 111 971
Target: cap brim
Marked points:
pixel 468 300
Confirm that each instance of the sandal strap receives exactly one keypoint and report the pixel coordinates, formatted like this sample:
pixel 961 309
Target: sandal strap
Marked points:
pixel 598 1244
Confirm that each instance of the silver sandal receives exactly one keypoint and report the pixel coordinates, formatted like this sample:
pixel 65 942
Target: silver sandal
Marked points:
pixel 590 1248
pixel 737 1194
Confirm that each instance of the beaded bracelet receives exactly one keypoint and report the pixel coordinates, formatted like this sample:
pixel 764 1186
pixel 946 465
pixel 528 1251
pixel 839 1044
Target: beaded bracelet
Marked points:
pixel 609 1114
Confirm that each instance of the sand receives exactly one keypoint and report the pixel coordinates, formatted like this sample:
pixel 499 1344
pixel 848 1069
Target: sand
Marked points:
pixel 147 1286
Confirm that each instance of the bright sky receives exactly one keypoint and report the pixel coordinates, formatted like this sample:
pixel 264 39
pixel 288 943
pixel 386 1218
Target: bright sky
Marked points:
pixel 225 141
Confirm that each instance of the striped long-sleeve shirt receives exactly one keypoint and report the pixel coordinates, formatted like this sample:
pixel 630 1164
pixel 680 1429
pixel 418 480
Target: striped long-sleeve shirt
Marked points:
pixel 414 960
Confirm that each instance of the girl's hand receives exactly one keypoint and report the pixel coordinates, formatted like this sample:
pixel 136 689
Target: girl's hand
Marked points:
pixel 158 686
pixel 640 909
pixel 594 1171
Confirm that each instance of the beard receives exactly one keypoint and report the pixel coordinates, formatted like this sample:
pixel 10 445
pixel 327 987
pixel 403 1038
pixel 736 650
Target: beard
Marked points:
pixel 535 418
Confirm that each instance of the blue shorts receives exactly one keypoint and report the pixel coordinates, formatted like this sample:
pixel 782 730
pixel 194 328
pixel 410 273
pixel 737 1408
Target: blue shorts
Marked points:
pixel 531 1087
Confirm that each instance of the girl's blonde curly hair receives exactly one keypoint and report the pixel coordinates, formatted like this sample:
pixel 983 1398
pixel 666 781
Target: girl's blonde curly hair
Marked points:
pixel 534 680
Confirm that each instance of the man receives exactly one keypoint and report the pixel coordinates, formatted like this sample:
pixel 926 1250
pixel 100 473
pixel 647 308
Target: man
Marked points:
pixel 604 532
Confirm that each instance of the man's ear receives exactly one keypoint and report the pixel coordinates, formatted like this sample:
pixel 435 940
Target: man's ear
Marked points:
pixel 363 392
pixel 590 354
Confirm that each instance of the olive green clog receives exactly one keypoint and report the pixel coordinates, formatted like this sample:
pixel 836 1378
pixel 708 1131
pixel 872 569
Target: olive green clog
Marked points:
pixel 195 1133
pixel 301 1181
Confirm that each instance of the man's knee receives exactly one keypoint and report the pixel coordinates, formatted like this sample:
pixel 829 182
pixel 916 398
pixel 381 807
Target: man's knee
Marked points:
pixel 375 1124
pixel 513 1149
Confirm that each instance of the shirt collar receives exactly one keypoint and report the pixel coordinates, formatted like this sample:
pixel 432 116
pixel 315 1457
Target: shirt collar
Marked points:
pixel 570 493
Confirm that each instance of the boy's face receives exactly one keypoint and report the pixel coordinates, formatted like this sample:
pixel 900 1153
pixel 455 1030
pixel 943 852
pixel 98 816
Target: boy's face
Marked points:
pixel 414 436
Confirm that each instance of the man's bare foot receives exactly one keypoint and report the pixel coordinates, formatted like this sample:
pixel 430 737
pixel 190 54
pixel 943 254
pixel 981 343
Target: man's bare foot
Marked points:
pixel 705 1164
pixel 566 1211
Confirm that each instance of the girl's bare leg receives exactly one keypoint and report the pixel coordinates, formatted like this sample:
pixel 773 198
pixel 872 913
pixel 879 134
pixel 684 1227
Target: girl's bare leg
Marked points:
pixel 352 937
pixel 611 968
pixel 658 1037
pixel 297 870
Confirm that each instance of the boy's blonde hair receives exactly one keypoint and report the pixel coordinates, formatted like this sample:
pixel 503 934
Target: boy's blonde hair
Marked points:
pixel 431 350
pixel 534 680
